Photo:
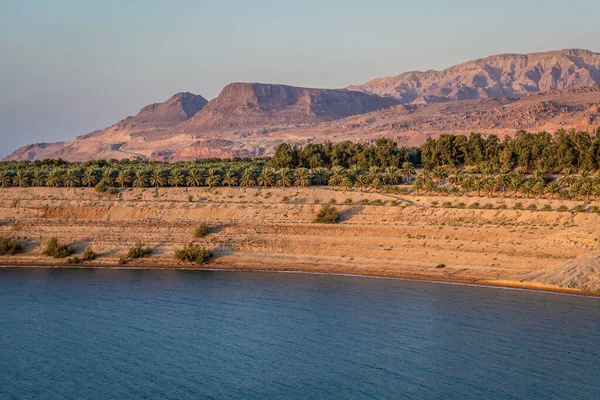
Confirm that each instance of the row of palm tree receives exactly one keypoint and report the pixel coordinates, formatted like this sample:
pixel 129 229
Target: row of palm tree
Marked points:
pixel 437 180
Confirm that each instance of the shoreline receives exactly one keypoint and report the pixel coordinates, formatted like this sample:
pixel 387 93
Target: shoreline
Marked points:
pixel 500 284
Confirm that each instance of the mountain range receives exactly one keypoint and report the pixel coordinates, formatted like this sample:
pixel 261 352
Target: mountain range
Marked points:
pixel 498 94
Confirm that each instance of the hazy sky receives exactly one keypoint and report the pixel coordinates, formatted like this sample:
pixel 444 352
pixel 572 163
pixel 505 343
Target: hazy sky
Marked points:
pixel 68 67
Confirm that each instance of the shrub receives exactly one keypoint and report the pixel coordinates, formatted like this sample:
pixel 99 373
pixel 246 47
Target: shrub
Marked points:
pixel 201 230
pixel 475 205
pixel 488 206
pixel 435 203
pixel 518 206
pixel 579 208
pixel 562 208
pixel 88 254
pixel 138 251
pixel 441 266
pixel 461 205
pixel 394 203
pixel 9 247
pixel 332 201
pixel 112 191
pixel 594 209
pixel 73 260
pixel 57 250
pixel 447 204
pixel 547 208
pixel 348 201
pixel 101 187
pixel 364 202
pixel 328 215
pixel 503 207
pixel 193 253
pixel 378 202
pixel 285 199
pixel 532 207
pixel 122 261
pixel 190 198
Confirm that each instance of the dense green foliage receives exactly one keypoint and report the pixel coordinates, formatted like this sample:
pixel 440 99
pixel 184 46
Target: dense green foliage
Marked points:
pixel 193 253
pixel 526 165
pixel 57 250
pixel 9 247
pixel 328 215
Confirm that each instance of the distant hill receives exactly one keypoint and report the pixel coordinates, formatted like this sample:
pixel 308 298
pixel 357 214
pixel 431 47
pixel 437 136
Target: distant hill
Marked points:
pixel 498 94
pixel 506 75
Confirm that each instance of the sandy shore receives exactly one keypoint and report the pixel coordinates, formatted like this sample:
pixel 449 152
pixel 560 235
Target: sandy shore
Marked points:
pixel 272 230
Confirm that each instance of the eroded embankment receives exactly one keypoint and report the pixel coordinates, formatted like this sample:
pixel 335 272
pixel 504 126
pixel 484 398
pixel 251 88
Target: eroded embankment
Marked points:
pixel 272 229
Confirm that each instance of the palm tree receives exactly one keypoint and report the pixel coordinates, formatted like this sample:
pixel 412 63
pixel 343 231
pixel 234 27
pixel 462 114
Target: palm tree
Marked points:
pixel 373 173
pixel 361 181
pixel 587 189
pixel 539 176
pixel 456 176
pixel 108 176
pixel 502 183
pixel 21 178
pixel 140 179
pixel 71 178
pixel 584 175
pixel 337 174
pixel 177 177
pixel 430 186
pixel 320 176
pixel 38 178
pixel 230 178
pixel 439 173
pixel 575 189
pixel 539 188
pixel 54 178
pixel 266 177
pixel 284 177
pixel 408 170
pixel 213 177
pixel 489 186
pixel 417 185
pixel 566 177
pixel 159 177
pixel 194 178
pixel 354 172
pixel 552 189
pixel 302 177
pixel 392 174
pixel 89 177
pixel 346 182
pixel 5 178
pixel 123 178
pixel 527 188
pixel 248 178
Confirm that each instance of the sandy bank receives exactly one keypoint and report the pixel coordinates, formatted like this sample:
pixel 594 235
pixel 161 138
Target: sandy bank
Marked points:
pixel 272 230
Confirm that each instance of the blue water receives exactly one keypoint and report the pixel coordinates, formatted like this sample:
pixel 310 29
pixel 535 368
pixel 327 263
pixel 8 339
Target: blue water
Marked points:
pixel 120 334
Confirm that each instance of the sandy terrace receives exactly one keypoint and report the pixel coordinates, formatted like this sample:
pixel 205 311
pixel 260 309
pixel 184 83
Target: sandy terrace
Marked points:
pixel 272 229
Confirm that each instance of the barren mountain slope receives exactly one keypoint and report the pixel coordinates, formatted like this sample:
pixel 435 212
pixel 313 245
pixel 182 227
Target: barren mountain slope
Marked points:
pixel 505 75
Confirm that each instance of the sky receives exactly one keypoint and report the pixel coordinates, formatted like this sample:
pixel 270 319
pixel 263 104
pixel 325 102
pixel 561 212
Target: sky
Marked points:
pixel 68 67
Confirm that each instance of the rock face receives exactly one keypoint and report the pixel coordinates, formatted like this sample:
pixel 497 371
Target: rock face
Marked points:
pixel 506 75
pixel 244 105
pixel 499 95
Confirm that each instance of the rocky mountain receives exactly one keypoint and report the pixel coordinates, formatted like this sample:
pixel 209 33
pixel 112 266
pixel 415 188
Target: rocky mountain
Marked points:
pixel 499 95
pixel 506 75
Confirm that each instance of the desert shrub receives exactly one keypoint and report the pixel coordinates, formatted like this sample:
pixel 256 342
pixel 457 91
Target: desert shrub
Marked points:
pixel 316 201
pixel 447 204
pixel 488 206
pixel 547 208
pixel 348 201
pixel 112 191
pixel 190 198
pixel 475 206
pixel 518 206
pixel 328 215
pixel 201 230
pixel 461 205
pixel 88 254
pixel 364 202
pixel 378 202
pixel 394 203
pixel 579 208
pixel 57 250
pixel 441 266
pixel 332 201
pixel 138 251
pixel 503 207
pixel 403 190
pixel 562 208
pixel 435 203
pixel 193 253
pixel 9 247
pixel 73 260
pixel 594 209
pixel 285 199
pixel 122 261
pixel 101 187
pixel 532 207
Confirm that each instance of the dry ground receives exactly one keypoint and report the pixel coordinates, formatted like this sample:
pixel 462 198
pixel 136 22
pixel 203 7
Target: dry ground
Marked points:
pixel 272 229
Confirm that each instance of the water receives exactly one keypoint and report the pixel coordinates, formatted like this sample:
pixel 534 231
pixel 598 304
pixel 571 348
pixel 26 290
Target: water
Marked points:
pixel 117 334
